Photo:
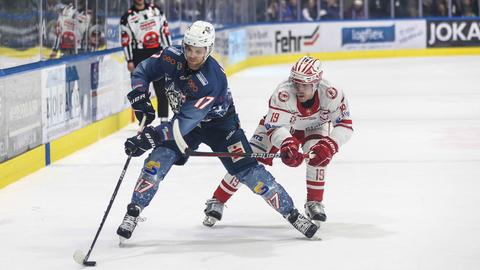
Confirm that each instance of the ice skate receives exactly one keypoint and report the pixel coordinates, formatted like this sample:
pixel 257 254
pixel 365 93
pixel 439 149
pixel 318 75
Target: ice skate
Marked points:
pixel 213 212
pixel 129 223
pixel 303 224
pixel 316 212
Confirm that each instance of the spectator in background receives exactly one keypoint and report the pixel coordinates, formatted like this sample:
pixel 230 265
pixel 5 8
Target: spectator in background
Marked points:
pixel 261 11
pixel 96 38
pixel 310 11
pixel 71 29
pixel 413 8
pixel 330 10
pixel 465 8
pixel 379 9
pixel 96 32
pixel 406 8
pixel 356 10
pixel 440 8
pixel 427 8
pixel 272 11
pixel 289 10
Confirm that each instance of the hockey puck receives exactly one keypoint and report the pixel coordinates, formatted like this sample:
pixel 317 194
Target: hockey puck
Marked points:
pixel 78 256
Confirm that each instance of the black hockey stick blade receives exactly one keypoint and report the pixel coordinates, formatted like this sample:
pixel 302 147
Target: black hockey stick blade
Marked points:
pixel 89 263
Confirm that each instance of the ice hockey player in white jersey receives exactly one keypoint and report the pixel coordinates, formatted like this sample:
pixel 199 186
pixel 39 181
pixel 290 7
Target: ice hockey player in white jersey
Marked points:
pixel 72 25
pixel 301 111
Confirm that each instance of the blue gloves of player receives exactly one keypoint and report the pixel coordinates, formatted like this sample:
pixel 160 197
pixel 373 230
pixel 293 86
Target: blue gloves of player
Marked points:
pixel 141 105
pixel 139 144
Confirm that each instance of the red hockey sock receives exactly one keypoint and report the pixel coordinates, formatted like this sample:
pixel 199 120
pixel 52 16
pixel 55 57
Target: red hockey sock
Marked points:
pixel 315 191
pixel 225 190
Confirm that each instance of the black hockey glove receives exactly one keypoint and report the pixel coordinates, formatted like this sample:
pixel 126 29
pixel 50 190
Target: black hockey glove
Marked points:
pixel 141 105
pixel 139 144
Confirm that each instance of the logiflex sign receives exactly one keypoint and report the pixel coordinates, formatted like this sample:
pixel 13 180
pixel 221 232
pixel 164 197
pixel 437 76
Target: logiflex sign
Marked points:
pixel 290 41
pixel 453 33
pixel 362 35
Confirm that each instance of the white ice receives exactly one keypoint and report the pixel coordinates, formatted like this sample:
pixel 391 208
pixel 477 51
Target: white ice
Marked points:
pixel 404 193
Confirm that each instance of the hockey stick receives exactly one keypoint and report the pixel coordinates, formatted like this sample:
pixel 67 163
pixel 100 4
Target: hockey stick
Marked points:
pixel 189 152
pixel 183 147
pixel 78 255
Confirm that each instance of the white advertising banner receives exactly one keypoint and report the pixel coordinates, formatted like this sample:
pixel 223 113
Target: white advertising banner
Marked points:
pixel 3 122
pixel 372 35
pixel 283 38
pixel 20 114
pixel 110 84
pixel 312 37
pixel 60 102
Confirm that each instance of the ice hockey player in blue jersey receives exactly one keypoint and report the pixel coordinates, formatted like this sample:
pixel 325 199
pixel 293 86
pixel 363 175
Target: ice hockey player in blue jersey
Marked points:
pixel 199 95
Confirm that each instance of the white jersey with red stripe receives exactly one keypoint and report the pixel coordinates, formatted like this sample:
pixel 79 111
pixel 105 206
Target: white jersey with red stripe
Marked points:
pixel 70 29
pixel 144 29
pixel 286 114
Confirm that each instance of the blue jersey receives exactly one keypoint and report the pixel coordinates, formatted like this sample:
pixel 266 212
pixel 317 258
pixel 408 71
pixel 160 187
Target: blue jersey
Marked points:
pixel 195 95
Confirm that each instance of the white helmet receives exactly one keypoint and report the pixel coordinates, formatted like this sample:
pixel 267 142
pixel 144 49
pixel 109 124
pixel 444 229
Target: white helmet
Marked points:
pixel 307 70
pixel 200 34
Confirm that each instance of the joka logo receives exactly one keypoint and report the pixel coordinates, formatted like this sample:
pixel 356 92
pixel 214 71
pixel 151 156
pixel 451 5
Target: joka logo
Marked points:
pixel 355 35
pixel 291 43
pixel 453 33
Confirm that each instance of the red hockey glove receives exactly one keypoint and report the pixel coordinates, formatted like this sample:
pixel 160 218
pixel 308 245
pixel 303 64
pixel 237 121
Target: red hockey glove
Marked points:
pixel 323 150
pixel 290 154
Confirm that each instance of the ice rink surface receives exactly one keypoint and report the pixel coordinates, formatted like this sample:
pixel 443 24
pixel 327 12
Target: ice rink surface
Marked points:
pixel 402 194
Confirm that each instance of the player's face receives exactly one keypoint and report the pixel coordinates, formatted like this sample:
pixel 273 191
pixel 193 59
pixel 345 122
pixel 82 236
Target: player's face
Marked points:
pixel 304 91
pixel 195 56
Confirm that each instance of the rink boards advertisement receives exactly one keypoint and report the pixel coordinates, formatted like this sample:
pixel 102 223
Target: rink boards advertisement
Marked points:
pixel 373 35
pixel 3 122
pixel 335 36
pixel 283 38
pixel 109 84
pixel 231 47
pixel 453 33
pixel 42 105
pixel 20 108
pixel 79 93
pixel 65 99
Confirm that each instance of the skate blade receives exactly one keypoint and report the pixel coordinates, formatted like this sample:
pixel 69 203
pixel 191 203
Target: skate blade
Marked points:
pixel 316 236
pixel 209 221
pixel 121 241
pixel 317 222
